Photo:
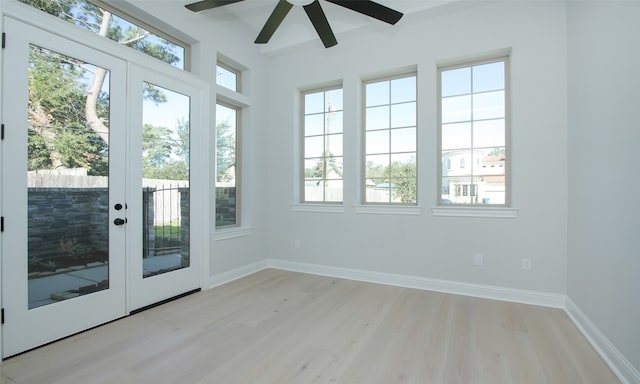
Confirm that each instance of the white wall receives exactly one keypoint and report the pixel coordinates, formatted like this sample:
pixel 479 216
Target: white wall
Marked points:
pixel 425 245
pixel 604 187
pixel 221 34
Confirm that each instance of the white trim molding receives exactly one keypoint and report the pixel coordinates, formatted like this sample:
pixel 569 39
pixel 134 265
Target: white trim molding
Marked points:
pixel 609 353
pixel 416 282
pixel 232 233
pixel 389 209
pixel 235 274
pixel 489 212
pixel 317 208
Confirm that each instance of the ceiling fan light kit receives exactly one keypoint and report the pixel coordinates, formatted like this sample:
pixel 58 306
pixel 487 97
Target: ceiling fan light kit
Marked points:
pixel 314 12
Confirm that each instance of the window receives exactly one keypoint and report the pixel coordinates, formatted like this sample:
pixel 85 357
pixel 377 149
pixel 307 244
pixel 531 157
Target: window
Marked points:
pixel 227 166
pixel 463 189
pixel 473 132
pixel 323 151
pixel 228 77
pixel 103 20
pixel 390 152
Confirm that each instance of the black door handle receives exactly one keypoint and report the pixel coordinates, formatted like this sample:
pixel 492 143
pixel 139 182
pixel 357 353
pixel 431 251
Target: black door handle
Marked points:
pixel 119 221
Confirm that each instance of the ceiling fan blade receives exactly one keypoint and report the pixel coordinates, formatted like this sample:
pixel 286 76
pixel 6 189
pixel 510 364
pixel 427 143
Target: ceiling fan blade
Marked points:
pixel 320 23
pixel 208 4
pixel 279 13
pixel 372 9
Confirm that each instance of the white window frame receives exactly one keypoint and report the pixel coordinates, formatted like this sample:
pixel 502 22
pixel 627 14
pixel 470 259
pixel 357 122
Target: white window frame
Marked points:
pixel 302 177
pixel 238 167
pixel 139 22
pixel 230 68
pixel 241 102
pixel 156 30
pixel 398 207
pixel 457 209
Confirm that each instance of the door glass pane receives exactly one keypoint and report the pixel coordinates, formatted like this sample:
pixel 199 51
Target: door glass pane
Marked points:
pixel 165 180
pixel 227 205
pixel 68 169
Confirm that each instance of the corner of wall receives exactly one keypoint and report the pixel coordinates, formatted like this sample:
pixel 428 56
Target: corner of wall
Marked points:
pixel 619 364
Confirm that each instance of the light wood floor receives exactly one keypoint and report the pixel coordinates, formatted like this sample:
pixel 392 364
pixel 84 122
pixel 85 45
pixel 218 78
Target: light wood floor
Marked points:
pixel 282 327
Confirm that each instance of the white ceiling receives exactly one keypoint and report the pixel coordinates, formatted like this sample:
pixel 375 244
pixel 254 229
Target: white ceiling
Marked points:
pixel 296 27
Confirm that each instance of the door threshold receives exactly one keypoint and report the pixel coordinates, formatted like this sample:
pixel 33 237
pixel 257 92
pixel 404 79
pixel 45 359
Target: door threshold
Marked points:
pixel 180 296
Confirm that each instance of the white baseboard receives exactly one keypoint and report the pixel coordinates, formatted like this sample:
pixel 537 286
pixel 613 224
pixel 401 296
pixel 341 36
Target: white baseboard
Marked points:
pixel 609 353
pixel 454 287
pixel 235 274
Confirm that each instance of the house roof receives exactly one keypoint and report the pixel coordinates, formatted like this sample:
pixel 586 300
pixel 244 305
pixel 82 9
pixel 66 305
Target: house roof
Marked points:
pixel 493 159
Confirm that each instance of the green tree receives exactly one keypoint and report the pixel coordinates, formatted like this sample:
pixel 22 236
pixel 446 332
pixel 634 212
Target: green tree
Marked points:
pixel 163 155
pixel 225 150
pixel 59 135
pixel 68 112
pixel 498 151
pixel 155 146
pixel 182 146
pixel 401 176
pixel 323 167
pixel 405 181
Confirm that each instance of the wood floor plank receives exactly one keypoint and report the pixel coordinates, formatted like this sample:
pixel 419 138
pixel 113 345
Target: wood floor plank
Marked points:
pixel 459 367
pixel 287 328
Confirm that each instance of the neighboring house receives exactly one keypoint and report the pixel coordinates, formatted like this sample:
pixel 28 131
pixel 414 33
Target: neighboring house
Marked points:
pixel 473 177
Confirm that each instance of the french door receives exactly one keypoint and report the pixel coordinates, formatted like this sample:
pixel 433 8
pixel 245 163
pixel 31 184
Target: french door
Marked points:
pixel 96 189
pixel 164 262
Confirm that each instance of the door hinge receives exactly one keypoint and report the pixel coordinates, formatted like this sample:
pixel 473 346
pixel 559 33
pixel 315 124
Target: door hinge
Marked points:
pixel 2 321
pixel 2 132
pixel 4 40
pixel 2 224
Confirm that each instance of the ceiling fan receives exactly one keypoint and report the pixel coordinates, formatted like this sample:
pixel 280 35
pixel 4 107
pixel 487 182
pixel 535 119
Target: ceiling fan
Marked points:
pixel 313 10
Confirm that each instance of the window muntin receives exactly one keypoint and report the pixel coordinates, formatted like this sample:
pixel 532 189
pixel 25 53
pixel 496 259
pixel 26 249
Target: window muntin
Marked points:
pixel 390 141
pixel 228 77
pixel 323 160
pixel 114 25
pixel 473 133
pixel 227 168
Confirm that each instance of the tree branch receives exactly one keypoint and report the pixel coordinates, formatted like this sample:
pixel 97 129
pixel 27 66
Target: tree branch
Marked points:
pixel 91 104
pixel 137 38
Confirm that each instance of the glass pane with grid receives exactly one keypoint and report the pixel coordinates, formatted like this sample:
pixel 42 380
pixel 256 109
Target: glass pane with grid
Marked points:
pixel 390 139
pixel 473 135
pixel 323 146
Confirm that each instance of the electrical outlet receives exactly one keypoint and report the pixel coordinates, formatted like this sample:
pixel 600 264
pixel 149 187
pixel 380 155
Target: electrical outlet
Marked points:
pixel 297 244
pixel 526 264
pixel 478 259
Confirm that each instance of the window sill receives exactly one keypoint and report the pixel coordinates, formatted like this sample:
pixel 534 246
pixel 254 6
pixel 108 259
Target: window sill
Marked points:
pixel 318 208
pixel 484 212
pixel 232 97
pixel 412 210
pixel 232 233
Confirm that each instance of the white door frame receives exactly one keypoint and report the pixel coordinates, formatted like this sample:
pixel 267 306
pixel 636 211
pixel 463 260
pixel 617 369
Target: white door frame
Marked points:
pixel 27 327
pixel 200 139
pixel 163 286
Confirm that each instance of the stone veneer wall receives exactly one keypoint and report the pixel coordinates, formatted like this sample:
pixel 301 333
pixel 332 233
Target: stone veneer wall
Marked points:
pixel 185 226
pixel 67 214
pixel 81 215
